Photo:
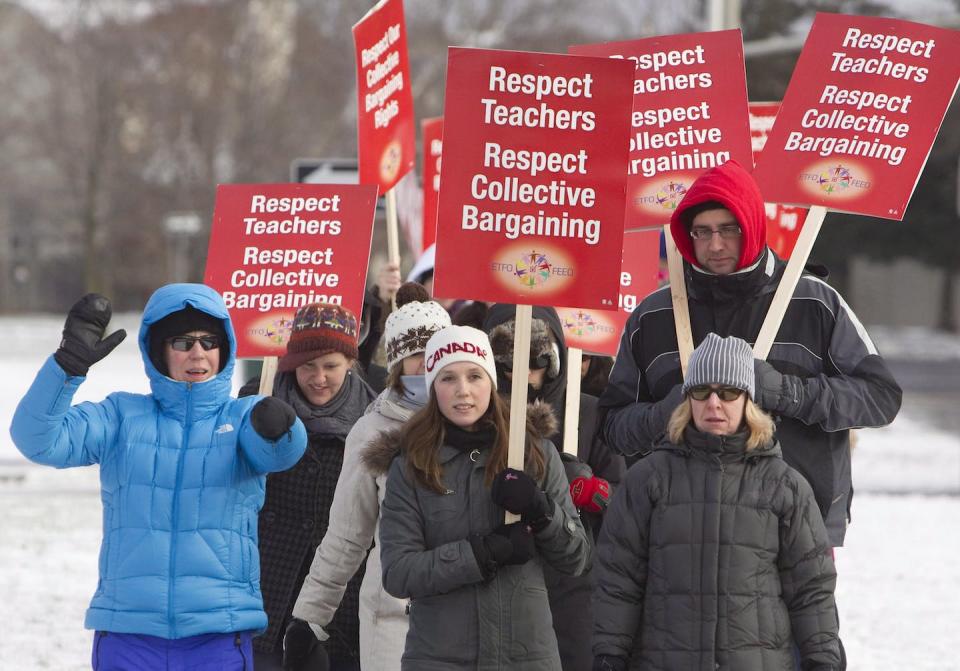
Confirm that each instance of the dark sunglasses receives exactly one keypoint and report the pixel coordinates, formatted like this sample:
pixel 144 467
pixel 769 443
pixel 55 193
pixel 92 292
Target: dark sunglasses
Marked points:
pixel 185 343
pixel 702 392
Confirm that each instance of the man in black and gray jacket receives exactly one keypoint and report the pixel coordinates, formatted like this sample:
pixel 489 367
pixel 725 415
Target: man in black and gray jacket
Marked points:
pixel 823 375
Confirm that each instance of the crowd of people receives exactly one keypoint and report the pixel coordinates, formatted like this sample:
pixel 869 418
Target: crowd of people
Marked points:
pixel 354 518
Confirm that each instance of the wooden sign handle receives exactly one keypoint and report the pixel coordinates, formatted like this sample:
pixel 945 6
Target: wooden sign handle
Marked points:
pixel 678 292
pixel 267 372
pixel 571 409
pixel 393 234
pixel 781 299
pixel 518 391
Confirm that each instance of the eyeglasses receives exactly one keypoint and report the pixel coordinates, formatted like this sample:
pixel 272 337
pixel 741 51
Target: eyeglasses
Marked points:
pixel 185 343
pixel 726 232
pixel 702 392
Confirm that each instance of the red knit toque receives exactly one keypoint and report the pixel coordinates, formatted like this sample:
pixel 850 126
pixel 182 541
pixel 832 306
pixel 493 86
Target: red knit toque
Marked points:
pixel 318 329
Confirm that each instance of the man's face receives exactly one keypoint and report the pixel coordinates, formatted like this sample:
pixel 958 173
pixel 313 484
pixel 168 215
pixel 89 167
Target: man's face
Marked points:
pixel 714 252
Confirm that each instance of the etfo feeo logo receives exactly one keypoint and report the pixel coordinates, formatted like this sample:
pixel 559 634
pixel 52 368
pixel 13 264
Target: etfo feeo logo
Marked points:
pixel 390 161
pixel 541 270
pixel 840 181
pixel 273 330
pixel 580 324
pixel 662 194
pixel 670 195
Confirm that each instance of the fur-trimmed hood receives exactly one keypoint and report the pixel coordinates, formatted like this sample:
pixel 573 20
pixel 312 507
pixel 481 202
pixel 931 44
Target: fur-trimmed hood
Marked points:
pixel 382 450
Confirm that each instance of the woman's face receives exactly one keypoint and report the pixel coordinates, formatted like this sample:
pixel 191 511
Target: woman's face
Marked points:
pixel 717 416
pixel 413 365
pixel 193 364
pixel 463 393
pixel 320 379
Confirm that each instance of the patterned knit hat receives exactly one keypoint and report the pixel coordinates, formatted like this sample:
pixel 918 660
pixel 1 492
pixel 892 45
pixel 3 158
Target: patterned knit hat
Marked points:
pixel 458 343
pixel 408 328
pixel 725 361
pixel 318 329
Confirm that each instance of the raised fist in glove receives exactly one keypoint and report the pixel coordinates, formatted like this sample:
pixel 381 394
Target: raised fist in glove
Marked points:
pixel 302 650
pixel 776 392
pixel 590 494
pixel 505 545
pixel 517 492
pixel 83 343
pixel 272 418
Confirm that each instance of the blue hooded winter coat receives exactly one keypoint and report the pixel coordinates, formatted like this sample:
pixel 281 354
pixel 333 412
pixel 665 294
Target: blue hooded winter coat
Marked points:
pixel 182 476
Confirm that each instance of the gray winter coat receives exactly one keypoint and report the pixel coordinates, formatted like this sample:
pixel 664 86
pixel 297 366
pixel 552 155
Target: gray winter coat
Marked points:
pixel 712 557
pixel 458 620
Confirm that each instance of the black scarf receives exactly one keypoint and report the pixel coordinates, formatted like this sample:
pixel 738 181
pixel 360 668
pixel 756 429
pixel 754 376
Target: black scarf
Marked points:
pixel 336 417
pixel 467 441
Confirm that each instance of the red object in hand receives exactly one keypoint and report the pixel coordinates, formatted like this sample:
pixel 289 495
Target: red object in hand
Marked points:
pixel 591 494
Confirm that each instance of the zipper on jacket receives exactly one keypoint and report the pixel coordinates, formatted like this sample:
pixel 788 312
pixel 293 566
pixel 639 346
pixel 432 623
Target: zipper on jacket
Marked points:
pixel 174 526
pixel 716 626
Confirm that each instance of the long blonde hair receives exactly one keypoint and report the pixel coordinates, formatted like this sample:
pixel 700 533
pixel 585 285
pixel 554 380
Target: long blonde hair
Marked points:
pixel 759 423
pixel 424 433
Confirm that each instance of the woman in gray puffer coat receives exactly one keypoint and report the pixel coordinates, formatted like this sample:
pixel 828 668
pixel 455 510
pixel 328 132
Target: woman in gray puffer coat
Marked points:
pixel 713 554
pixel 478 599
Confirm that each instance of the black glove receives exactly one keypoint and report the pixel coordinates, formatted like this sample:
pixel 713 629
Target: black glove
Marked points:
pixel 608 663
pixel 83 343
pixel 272 418
pixel 302 650
pixel 517 492
pixel 776 392
pixel 505 545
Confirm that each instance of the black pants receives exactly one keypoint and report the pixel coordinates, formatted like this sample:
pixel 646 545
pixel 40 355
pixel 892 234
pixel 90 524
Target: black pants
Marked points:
pixel 273 661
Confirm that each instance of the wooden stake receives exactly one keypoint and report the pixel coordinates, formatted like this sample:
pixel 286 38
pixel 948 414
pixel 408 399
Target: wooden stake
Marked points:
pixel 571 409
pixel 781 299
pixel 393 235
pixel 518 391
pixel 678 292
pixel 267 372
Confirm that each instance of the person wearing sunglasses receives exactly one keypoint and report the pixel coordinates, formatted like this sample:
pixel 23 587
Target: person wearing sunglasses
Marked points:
pixel 182 474
pixel 823 375
pixel 713 553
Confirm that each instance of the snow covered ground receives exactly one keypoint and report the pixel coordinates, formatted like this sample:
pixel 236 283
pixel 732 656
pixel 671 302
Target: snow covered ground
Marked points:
pixel 899 573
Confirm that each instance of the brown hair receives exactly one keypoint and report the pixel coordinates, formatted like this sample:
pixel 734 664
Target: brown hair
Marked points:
pixel 393 377
pixel 424 434
pixel 759 423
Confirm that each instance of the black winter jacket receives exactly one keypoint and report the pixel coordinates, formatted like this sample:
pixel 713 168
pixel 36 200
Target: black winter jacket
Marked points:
pixel 845 383
pixel 292 523
pixel 712 557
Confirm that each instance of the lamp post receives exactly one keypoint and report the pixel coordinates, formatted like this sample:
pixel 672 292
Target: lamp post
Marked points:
pixel 181 229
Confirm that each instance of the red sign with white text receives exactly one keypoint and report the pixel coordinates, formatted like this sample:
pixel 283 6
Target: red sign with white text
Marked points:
pixel 783 221
pixel 861 112
pixel 276 247
pixel 599 331
pixel 689 114
pixel 432 130
pixel 534 178
pixel 387 146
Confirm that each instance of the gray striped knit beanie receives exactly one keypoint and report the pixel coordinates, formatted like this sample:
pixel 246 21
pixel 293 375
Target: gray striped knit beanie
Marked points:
pixel 721 361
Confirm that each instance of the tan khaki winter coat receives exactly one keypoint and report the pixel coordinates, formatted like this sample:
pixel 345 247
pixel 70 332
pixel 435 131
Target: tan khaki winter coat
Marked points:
pixel 354 524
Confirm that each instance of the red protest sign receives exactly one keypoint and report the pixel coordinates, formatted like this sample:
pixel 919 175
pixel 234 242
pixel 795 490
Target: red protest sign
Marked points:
pixel 598 331
pixel 689 114
pixel 276 247
pixel 784 222
pixel 534 171
pixel 432 130
pixel 861 112
pixel 384 102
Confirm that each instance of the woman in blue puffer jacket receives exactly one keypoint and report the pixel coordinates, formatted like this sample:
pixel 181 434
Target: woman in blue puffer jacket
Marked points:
pixel 182 474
